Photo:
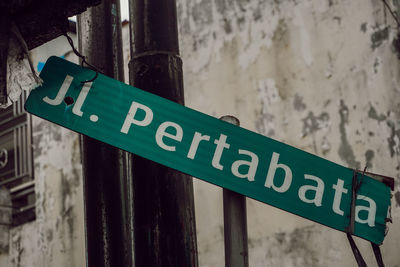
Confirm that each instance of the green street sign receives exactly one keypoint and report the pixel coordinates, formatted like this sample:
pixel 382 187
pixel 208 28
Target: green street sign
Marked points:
pixel 210 149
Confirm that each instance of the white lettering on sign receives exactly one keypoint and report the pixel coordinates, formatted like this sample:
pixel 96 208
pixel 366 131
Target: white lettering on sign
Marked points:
pixel 273 166
pixel 315 192
pixel 197 138
pixel 339 190
pixel 279 176
pixel 252 165
pixel 130 117
pixel 221 144
pixel 371 211
pixel 318 191
pixel 162 133
pixel 61 93
pixel 81 98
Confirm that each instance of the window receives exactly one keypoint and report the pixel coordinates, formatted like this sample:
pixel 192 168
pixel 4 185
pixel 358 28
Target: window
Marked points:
pixel 16 160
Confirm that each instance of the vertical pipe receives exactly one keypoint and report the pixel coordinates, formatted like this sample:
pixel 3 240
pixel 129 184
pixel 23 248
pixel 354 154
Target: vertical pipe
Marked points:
pixel 164 222
pixel 107 224
pixel 235 223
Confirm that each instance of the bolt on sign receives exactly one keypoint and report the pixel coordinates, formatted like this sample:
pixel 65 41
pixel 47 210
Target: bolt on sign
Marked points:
pixel 210 149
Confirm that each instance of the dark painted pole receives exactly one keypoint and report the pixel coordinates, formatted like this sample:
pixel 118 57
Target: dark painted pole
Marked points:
pixel 235 229
pixel 235 223
pixel 107 223
pixel 164 222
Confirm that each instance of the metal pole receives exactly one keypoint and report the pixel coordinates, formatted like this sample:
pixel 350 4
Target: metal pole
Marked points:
pixel 164 221
pixel 235 223
pixel 107 222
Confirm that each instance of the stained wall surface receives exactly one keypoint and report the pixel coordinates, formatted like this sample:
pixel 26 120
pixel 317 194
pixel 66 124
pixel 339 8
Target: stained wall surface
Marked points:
pixel 320 75
pixel 56 236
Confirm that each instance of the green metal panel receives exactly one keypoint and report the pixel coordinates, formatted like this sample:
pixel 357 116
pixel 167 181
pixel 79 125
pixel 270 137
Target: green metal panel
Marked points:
pixel 318 190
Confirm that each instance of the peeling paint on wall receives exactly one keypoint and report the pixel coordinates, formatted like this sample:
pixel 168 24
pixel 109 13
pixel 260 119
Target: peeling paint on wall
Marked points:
pixel 321 75
pixel 5 220
pixel 369 156
pixel 394 139
pixel 313 123
pixel 374 115
pixel 298 103
pixel 212 24
pixel 379 36
pixel 57 231
pixel 345 150
pixel 397 197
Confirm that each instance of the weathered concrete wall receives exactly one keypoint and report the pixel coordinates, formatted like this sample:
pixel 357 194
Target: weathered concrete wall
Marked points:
pixel 56 237
pixel 5 222
pixel 321 75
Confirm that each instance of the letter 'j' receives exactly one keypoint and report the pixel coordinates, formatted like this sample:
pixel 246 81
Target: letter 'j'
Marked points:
pixel 130 117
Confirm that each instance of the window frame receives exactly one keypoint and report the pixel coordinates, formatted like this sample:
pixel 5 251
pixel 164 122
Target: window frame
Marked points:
pixel 21 183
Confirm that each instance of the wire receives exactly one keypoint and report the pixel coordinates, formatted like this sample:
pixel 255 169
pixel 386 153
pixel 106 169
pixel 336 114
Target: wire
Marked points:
pixel 76 52
pixel 356 252
pixel 361 180
pixel 391 12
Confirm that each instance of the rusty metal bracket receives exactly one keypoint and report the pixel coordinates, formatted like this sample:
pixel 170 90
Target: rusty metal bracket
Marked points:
pixel 356 252
pixel 389 181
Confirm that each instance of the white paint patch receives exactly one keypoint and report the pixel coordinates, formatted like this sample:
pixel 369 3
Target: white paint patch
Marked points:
pixel 325 145
pixel 252 24
pixel 268 92
pixel 305 42
pixel 257 33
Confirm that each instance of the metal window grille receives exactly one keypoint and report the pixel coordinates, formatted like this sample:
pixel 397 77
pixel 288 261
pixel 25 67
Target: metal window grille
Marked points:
pixel 16 160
